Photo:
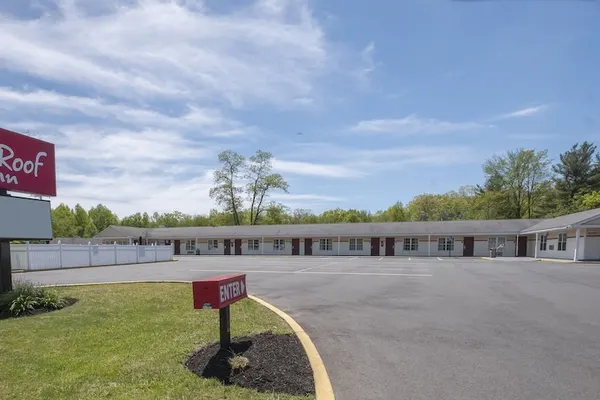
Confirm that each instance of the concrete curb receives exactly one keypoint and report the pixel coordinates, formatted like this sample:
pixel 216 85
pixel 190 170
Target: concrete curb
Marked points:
pixel 26 271
pixel 323 388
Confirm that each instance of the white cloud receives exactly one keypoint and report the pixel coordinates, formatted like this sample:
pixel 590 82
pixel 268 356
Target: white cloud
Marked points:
pixel 315 169
pixel 367 58
pixel 268 52
pixel 412 125
pixel 524 112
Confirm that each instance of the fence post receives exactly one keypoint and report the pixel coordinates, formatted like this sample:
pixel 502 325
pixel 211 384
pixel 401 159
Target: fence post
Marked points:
pixel 60 254
pixel 116 259
pixel 155 253
pixel 137 253
pixel 28 258
pixel 90 252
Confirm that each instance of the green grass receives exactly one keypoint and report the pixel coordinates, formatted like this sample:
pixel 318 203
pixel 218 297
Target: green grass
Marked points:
pixel 125 341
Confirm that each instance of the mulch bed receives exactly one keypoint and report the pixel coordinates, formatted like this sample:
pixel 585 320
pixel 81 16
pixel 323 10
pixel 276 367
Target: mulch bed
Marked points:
pixel 69 301
pixel 278 364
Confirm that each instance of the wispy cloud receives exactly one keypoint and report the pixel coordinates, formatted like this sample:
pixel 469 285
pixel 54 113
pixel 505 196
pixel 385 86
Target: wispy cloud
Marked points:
pixel 522 113
pixel 144 94
pixel 315 169
pixel 413 125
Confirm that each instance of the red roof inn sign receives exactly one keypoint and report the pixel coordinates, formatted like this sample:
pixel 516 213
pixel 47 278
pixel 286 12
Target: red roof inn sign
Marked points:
pixel 27 165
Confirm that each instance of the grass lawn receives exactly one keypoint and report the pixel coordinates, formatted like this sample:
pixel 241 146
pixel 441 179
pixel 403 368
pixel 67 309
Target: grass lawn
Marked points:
pixel 124 341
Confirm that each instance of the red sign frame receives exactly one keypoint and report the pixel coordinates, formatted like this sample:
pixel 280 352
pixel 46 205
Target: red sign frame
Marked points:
pixel 27 165
pixel 219 292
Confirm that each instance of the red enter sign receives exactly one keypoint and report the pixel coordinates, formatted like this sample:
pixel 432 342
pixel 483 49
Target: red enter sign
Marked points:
pixel 219 292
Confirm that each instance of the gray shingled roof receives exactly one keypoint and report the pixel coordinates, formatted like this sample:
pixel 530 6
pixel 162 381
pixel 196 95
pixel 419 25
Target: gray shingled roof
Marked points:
pixel 564 222
pixel 463 228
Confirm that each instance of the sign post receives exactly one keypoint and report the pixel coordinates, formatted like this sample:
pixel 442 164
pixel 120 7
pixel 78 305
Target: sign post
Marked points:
pixel 27 165
pixel 219 293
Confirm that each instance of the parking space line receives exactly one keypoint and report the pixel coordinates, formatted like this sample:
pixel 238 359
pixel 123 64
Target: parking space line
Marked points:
pixel 317 266
pixel 439 259
pixel 315 272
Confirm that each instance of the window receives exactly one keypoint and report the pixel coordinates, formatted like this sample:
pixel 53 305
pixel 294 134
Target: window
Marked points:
pixel 411 244
pixel 253 244
pixel 190 245
pixel 213 244
pixel 445 244
pixel 325 244
pixel 543 242
pixel 356 244
pixel 279 244
pixel 562 242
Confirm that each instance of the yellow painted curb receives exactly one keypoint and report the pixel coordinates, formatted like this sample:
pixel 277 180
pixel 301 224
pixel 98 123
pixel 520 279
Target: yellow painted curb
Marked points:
pixel 488 258
pixel 323 388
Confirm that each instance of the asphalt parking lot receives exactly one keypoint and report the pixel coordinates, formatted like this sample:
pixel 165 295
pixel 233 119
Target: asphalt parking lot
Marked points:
pixel 420 328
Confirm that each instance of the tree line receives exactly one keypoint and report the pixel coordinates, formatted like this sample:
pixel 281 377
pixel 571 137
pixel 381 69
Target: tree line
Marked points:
pixel 522 183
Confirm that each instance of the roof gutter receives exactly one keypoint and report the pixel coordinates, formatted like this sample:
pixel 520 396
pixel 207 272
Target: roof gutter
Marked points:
pixel 561 228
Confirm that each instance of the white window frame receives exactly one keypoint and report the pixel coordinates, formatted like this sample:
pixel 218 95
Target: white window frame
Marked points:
pixel 253 244
pixel 213 244
pixel 411 244
pixel 356 244
pixel 326 244
pixel 544 242
pixel 562 240
pixel 190 245
pixel 279 244
pixel 444 244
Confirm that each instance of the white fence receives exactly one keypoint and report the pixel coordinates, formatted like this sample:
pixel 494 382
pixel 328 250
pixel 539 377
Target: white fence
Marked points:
pixel 50 256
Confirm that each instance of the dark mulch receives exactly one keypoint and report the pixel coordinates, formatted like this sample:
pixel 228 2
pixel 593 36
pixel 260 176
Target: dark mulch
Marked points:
pixel 69 301
pixel 278 364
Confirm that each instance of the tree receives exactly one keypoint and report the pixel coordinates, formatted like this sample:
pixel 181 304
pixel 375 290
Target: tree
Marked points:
pixel 276 214
pixel 226 192
pixel 522 175
pixel 589 201
pixel 576 173
pixel 394 213
pixel 261 182
pixel 102 217
pixel 85 227
pixel 64 223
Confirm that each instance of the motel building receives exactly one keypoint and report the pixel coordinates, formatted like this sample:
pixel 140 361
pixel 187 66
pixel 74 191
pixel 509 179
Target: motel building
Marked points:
pixel 572 237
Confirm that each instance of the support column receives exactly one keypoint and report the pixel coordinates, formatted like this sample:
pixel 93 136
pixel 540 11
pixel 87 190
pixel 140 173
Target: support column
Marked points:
pixel 535 254
pixel 429 246
pixel 262 245
pixel 338 245
pixel 5 267
pixel 576 250
pixel 517 246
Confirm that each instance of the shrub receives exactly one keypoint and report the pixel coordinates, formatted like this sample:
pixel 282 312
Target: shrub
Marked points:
pixel 27 297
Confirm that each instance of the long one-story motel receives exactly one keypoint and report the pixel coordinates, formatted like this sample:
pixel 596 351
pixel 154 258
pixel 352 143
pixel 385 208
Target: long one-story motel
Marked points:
pixel 574 236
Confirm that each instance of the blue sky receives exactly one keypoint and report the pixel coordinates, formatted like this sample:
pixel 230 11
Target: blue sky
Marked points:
pixel 393 99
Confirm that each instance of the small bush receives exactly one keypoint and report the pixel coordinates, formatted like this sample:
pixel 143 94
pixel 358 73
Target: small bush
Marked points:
pixel 26 297
pixel 238 362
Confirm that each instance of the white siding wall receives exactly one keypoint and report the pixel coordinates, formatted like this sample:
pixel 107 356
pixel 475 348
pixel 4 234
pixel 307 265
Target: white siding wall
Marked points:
pixel 552 242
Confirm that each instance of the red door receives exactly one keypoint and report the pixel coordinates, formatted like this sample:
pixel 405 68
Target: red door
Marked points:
pixel 389 246
pixel 227 247
pixel 295 247
pixel 374 246
pixel 468 246
pixel 238 247
pixel 307 247
pixel 177 247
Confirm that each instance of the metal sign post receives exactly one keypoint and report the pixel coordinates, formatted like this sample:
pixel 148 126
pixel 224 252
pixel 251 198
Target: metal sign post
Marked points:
pixel 219 293
pixel 5 265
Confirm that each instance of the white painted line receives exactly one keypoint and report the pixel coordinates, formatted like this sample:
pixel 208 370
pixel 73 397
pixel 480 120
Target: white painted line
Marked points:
pixel 311 272
pixel 353 258
pixel 318 266
pixel 439 259
pixel 380 258
pixel 409 258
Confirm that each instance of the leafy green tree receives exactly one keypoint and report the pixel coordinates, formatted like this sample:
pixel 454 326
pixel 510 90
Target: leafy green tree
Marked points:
pixel 227 192
pixel 64 222
pixel 261 182
pixel 303 216
pixel 577 173
pixel 394 213
pixel 102 217
pixel 589 201
pixel 85 227
pixel 276 214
